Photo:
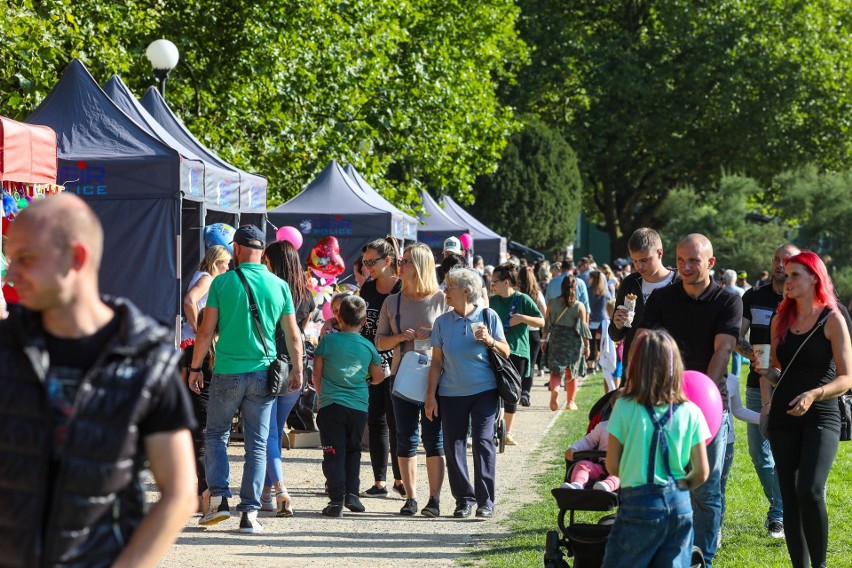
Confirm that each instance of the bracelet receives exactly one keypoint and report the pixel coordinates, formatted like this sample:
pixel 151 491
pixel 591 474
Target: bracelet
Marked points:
pixel 195 369
pixel 821 394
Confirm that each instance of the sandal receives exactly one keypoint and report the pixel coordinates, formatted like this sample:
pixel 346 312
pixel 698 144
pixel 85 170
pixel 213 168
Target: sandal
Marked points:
pixel 266 501
pixel 285 505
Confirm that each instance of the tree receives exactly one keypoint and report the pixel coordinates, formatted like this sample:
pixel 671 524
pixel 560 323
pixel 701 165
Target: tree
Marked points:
pixel 659 94
pixel 535 194
pixel 741 240
pixel 818 204
pixel 403 90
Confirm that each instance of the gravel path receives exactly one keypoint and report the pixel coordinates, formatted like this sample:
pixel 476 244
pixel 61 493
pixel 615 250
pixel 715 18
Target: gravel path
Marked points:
pixel 377 538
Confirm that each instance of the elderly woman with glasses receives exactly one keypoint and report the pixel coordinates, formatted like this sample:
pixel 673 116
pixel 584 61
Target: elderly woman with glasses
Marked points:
pixel 461 378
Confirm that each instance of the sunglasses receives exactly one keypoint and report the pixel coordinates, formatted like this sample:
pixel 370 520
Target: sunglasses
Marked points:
pixel 372 262
pixel 404 261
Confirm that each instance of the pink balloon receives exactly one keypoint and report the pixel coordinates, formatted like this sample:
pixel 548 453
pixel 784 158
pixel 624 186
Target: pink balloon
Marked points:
pixel 703 393
pixel 291 235
pixel 326 311
pixel 466 240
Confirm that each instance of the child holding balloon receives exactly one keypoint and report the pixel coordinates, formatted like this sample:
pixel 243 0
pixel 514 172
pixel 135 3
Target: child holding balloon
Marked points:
pixel 654 431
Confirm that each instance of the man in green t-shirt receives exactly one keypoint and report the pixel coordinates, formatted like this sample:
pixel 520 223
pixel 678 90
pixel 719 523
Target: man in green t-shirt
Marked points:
pixel 240 373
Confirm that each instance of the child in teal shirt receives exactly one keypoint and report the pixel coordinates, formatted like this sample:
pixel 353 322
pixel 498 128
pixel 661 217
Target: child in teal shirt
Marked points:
pixel 344 363
pixel 654 432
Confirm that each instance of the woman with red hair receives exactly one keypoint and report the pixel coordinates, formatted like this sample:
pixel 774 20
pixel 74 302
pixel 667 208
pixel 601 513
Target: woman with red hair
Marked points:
pixel 811 349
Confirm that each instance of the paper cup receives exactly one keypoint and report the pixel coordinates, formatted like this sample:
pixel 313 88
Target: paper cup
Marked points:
pixel 474 327
pixel 761 354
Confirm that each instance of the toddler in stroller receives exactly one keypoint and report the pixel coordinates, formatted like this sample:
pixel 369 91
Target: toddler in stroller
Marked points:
pixel 591 469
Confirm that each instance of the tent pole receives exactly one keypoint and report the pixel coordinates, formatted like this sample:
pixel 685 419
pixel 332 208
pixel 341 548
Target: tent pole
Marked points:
pixel 178 270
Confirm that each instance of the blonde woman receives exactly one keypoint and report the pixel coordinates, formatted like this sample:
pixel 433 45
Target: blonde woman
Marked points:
pixel 405 324
pixel 215 262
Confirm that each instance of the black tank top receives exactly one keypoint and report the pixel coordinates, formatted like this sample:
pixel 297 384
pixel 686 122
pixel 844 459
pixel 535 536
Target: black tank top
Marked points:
pixel 374 300
pixel 813 368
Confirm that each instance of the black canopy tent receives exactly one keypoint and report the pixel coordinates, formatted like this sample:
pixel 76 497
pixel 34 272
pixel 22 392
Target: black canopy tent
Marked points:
pixel 404 225
pixel 333 205
pixel 486 243
pixel 205 178
pixel 239 200
pixel 436 225
pixel 132 180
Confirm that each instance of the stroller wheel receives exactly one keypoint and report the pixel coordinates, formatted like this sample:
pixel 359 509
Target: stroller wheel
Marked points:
pixel 500 435
pixel 553 556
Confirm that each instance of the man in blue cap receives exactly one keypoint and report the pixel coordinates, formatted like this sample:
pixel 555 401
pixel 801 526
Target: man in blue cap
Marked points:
pixel 240 372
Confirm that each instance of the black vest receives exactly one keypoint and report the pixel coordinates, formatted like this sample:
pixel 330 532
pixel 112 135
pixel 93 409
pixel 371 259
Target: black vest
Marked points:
pixel 96 502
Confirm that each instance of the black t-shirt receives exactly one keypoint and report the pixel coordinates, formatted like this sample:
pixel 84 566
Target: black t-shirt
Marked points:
pixel 375 300
pixel 759 305
pixel 71 359
pixel 695 322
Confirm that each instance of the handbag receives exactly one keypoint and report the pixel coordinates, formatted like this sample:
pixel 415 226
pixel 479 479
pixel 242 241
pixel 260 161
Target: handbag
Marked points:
pixel 844 402
pixel 507 376
pixel 763 424
pixel 278 369
pixel 412 375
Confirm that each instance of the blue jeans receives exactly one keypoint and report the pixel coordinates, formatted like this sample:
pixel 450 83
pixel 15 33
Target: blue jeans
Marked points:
pixel 727 463
pixel 228 393
pixel 707 498
pixel 281 407
pixel 761 458
pixel 410 421
pixel 653 528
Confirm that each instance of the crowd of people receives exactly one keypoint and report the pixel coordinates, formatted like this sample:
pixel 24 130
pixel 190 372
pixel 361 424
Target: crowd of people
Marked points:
pixel 114 401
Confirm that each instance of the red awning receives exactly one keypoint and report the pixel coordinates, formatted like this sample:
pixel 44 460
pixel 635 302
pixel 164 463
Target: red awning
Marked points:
pixel 27 152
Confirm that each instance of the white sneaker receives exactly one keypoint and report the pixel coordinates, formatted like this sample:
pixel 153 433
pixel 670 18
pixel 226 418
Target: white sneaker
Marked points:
pixel 266 502
pixel 572 485
pixel 249 523
pixel 601 486
pixel 775 528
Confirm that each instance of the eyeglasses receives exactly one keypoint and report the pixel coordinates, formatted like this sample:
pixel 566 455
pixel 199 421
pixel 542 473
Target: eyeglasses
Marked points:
pixel 372 262
pixel 404 261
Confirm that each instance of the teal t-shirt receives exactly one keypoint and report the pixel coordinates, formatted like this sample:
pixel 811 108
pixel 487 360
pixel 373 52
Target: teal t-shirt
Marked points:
pixel 517 335
pixel 346 367
pixel 631 425
pixel 239 348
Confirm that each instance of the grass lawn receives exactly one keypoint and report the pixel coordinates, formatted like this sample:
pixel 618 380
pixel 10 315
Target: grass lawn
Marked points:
pixel 744 541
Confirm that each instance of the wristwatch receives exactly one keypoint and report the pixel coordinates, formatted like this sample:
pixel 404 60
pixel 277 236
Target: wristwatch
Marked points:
pixel 195 369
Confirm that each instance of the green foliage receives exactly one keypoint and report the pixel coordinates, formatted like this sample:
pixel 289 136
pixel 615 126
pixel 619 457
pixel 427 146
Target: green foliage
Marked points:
pixel 655 95
pixel 534 195
pixel 403 90
pixel 721 215
pixel 820 204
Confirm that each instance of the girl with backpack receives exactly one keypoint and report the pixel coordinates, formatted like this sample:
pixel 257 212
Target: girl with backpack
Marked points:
pixel 654 432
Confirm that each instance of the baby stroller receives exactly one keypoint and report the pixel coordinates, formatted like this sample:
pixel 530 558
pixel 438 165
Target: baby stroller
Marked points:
pixel 586 542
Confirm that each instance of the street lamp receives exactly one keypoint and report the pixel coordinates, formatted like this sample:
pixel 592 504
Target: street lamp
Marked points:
pixel 164 57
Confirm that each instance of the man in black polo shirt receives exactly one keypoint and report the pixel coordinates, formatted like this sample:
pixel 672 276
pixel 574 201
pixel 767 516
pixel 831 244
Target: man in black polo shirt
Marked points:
pixel 759 305
pixel 705 321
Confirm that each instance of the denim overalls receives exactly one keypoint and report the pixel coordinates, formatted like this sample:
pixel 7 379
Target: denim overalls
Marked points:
pixel 653 526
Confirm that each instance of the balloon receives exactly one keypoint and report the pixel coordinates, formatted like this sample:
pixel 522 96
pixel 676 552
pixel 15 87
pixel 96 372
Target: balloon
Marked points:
pixel 703 393
pixel 326 311
pixel 219 234
pixel 325 259
pixel 466 240
pixel 291 235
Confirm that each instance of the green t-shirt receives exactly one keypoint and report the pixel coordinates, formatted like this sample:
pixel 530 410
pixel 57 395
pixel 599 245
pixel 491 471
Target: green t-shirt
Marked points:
pixel 346 361
pixel 517 335
pixel 631 425
pixel 239 348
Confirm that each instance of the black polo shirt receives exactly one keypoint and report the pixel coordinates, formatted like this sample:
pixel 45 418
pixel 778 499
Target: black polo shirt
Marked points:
pixel 759 305
pixel 695 322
